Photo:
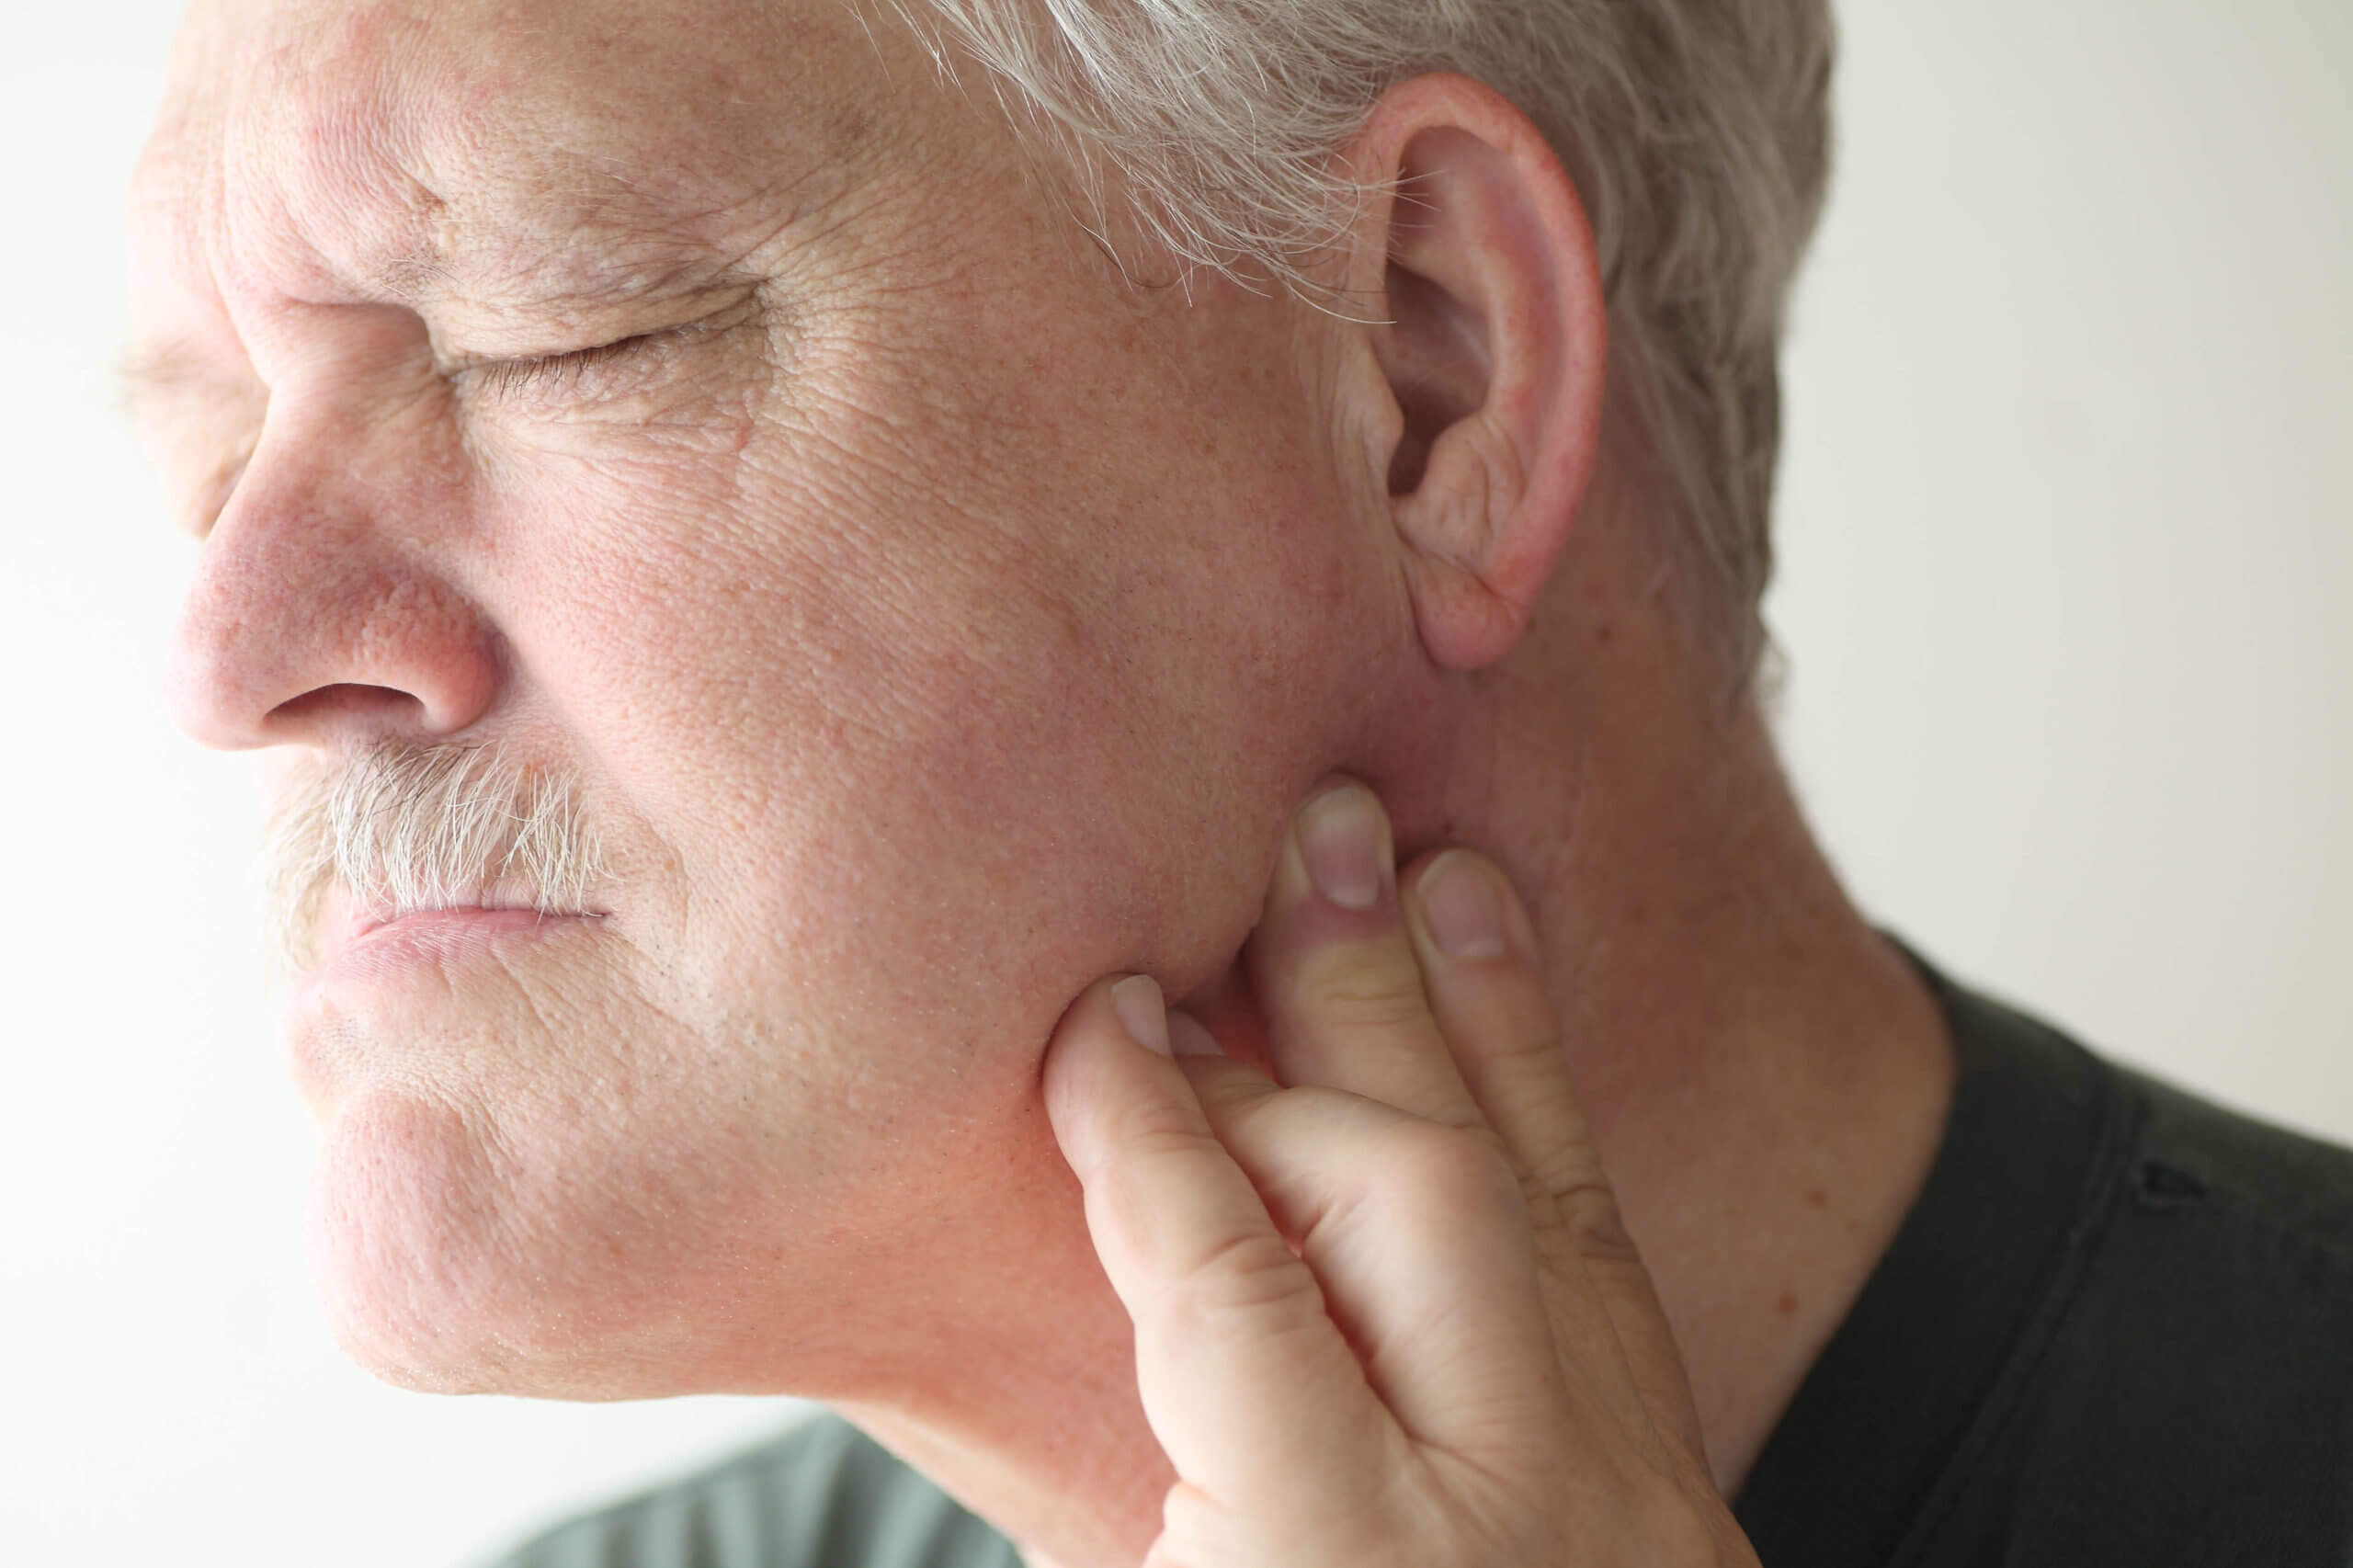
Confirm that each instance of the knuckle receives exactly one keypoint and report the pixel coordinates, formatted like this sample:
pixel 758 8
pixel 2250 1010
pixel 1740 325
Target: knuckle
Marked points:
pixel 1457 1167
pixel 1151 1137
pixel 1367 986
pixel 1260 1120
pixel 1232 1092
pixel 1527 1046
pixel 1250 1280
pixel 1589 1214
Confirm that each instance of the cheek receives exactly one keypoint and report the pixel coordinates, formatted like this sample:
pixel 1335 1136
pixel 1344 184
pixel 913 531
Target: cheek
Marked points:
pixel 947 695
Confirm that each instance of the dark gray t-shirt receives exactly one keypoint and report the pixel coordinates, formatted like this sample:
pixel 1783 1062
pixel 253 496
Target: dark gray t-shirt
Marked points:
pixel 2115 1331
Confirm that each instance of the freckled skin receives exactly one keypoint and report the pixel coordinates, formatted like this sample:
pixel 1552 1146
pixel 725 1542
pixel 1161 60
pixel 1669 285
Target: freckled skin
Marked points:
pixel 901 625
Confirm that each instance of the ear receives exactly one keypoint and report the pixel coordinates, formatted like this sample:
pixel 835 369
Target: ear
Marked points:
pixel 1481 392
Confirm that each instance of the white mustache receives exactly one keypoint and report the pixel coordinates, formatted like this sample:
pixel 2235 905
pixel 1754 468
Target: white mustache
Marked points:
pixel 404 828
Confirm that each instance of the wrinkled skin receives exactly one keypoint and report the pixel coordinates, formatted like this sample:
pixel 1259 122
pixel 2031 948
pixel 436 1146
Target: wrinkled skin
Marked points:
pixel 940 619
pixel 932 623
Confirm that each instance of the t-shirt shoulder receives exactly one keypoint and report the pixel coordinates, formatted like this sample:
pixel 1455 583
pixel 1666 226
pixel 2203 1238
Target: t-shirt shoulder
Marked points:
pixel 2115 1331
pixel 2191 1402
pixel 2193 1150
pixel 821 1495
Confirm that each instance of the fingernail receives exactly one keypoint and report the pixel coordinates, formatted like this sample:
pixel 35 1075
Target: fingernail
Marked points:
pixel 1190 1037
pixel 1340 839
pixel 1142 1012
pixel 1465 907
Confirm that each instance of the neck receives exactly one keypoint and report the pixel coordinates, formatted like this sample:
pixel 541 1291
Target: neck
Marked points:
pixel 1766 1079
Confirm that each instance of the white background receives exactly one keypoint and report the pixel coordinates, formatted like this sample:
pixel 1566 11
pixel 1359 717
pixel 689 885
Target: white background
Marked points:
pixel 2066 554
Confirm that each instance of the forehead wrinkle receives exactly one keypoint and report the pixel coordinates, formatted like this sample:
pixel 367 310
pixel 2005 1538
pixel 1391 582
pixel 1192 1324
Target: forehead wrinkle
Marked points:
pixel 504 160
pixel 599 241
pixel 469 211
pixel 314 174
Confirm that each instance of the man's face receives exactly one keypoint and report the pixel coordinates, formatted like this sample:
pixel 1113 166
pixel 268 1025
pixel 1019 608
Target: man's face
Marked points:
pixel 932 621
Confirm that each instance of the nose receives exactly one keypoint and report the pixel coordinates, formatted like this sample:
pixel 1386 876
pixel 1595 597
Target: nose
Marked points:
pixel 325 610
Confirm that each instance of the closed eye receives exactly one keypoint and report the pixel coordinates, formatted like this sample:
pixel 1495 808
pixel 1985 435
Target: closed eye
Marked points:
pixel 566 372
pixel 606 370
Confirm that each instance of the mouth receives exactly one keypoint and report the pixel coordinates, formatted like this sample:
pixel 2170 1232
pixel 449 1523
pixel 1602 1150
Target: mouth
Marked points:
pixel 352 930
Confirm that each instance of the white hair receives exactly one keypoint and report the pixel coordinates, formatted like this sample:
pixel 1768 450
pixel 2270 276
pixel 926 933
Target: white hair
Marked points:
pixel 1697 131
pixel 404 827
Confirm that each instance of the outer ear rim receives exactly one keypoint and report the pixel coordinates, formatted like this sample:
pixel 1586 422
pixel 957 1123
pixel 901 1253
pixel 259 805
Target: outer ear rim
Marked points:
pixel 1474 588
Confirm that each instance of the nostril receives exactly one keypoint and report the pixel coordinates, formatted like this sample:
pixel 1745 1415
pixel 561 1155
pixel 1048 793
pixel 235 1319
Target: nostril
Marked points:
pixel 346 705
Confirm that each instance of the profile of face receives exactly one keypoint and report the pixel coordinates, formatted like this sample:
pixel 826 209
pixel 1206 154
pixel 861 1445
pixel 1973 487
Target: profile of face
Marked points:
pixel 699 404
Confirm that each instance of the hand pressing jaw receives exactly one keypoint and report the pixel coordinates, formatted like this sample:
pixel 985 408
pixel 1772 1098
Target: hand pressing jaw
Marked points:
pixel 1385 1309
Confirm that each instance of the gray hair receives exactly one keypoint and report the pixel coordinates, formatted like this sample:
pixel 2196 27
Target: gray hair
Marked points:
pixel 1697 131
pixel 405 826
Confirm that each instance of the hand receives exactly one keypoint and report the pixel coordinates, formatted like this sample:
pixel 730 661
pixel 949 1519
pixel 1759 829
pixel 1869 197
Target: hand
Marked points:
pixel 1385 1310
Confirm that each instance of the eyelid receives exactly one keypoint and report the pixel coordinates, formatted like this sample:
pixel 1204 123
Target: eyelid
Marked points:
pixel 564 371
pixel 503 378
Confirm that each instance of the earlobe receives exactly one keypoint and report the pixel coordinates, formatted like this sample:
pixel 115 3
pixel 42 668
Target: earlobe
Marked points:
pixel 1492 355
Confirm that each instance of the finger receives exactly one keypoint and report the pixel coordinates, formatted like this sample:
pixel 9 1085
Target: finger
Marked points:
pixel 1477 948
pixel 1334 973
pixel 1418 1235
pixel 1475 951
pixel 1244 1376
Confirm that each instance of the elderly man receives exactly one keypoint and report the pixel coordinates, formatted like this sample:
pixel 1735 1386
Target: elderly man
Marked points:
pixel 788 542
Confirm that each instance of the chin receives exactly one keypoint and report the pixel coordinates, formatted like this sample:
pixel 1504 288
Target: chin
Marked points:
pixel 572 1192
pixel 445 1268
